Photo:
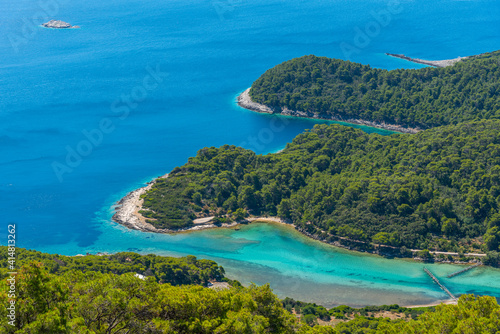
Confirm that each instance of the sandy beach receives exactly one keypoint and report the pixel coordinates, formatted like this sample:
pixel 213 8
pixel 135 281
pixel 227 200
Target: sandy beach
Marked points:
pixel 446 302
pixel 245 101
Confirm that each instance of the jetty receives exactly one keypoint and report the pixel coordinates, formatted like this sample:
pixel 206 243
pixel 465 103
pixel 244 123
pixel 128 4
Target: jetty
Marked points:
pixel 435 63
pixel 434 278
pixel 464 270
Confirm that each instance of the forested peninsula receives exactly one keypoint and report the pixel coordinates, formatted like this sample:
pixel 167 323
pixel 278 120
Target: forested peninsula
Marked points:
pixel 414 99
pixel 132 293
pixel 438 189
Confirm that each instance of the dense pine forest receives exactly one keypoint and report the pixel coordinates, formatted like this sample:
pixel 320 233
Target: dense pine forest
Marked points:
pixel 436 189
pixel 81 298
pixel 421 98
pixel 176 271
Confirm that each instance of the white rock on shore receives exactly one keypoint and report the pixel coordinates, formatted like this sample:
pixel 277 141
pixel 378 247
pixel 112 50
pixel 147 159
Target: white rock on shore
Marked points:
pixel 245 101
pixel 127 212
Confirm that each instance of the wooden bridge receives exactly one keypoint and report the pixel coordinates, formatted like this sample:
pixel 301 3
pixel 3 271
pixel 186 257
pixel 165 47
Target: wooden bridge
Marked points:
pixel 434 278
pixel 464 270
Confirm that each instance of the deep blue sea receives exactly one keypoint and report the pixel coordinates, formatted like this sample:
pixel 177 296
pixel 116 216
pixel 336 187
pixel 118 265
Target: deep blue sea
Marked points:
pixel 87 115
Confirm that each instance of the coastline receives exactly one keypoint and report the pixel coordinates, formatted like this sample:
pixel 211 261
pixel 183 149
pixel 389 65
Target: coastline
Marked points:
pixel 245 101
pixel 435 63
pixel 127 213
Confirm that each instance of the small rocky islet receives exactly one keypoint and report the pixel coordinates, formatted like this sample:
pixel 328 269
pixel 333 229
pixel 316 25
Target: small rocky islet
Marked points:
pixel 58 24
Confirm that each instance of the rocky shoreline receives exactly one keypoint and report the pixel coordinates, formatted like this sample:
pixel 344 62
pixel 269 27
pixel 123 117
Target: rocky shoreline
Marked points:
pixel 127 210
pixel 127 214
pixel 435 63
pixel 245 101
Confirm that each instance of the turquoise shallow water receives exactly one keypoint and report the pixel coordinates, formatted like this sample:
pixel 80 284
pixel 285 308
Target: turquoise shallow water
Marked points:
pixel 302 268
pixel 57 85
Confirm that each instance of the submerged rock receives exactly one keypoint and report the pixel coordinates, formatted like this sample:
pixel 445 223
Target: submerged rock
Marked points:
pixel 57 24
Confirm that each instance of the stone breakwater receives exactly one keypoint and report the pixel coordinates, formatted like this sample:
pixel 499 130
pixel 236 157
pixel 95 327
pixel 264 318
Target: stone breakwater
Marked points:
pixel 245 101
pixel 435 63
